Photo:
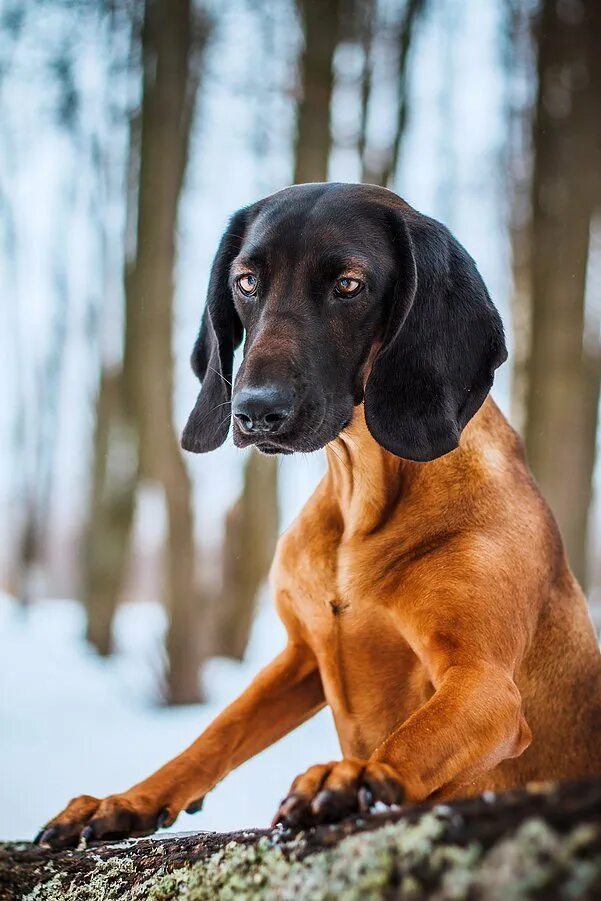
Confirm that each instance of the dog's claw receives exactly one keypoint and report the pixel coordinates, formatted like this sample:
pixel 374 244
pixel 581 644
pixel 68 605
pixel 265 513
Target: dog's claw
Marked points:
pixel 365 798
pixel 332 792
pixel 322 801
pixel 290 812
pixel 87 834
pixel 195 806
pixel 163 818
pixel 45 836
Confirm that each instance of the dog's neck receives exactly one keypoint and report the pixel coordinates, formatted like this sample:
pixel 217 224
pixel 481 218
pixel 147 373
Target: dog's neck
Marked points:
pixel 365 479
pixel 370 484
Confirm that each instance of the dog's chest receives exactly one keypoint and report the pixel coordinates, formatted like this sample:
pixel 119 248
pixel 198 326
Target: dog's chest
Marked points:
pixel 323 598
pixel 371 677
pixel 331 597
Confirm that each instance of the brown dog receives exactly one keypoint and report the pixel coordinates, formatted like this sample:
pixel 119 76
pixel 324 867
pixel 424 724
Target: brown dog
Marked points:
pixel 426 594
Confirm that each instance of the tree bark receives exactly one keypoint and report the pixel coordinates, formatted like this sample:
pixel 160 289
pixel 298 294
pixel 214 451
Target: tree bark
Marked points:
pixel 135 436
pixel 565 363
pixel 320 23
pixel 115 469
pixel 381 170
pixel 540 843
pixel 519 165
pixel 114 481
pixel 252 523
pixel 251 530
pixel 170 41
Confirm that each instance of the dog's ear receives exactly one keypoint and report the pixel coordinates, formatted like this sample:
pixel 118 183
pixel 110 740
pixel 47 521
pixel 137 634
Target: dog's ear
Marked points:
pixel 443 341
pixel 213 354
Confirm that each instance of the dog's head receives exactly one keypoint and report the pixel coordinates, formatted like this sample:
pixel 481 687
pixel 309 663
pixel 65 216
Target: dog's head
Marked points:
pixel 343 294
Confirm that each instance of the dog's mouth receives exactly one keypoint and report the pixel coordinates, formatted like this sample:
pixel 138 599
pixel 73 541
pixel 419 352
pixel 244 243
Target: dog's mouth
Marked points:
pixel 303 439
pixel 299 442
pixel 269 449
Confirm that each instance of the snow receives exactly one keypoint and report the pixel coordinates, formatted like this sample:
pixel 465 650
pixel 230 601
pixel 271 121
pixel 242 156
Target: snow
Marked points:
pixel 72 723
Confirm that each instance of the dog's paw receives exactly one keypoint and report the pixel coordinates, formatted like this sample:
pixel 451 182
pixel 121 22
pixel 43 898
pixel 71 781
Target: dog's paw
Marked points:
pixel 87 819
pixel 329 792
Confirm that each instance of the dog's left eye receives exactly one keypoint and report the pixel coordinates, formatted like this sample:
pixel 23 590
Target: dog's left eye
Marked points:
pixel 348 287
pixel 248 284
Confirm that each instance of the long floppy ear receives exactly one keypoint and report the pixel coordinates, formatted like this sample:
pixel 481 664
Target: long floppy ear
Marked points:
pixel 213 354
pixel 441 347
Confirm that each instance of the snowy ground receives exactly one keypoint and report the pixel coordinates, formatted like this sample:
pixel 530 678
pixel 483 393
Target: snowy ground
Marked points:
pixel 71 723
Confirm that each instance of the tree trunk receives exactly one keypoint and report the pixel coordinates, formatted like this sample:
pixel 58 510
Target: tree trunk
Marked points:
pixel 381 170
pixel 170 49
pixel 115 469
pixel 565 363
pixel 541 843
pixel 251 530
pixel 519 182
pixel 114 484
pixel 26 552
pixel 367 17
pixel 521 309
pixel 135 436
pixel 252 523
pixel 320 22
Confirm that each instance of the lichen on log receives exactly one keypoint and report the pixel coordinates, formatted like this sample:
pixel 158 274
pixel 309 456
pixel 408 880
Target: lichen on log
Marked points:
pixel 544 842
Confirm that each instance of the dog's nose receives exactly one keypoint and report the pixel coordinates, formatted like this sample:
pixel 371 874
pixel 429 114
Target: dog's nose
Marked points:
pixel 263 409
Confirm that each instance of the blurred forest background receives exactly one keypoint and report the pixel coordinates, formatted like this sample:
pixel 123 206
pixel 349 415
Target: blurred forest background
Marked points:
pixel 129 131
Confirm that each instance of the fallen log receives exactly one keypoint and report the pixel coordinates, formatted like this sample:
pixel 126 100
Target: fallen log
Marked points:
pixel 544 842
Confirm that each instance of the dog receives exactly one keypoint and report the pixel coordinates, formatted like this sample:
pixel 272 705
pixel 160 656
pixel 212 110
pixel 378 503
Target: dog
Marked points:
pixel 424 588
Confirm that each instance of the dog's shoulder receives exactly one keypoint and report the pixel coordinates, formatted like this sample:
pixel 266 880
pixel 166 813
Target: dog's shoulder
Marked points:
pixel 310 539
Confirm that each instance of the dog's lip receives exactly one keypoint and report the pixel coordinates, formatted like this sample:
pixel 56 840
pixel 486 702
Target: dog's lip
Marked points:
pixel 268 448
pixel 289 443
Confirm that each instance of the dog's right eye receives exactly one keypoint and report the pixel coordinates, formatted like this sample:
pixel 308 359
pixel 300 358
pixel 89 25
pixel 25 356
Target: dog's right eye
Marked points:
pixel 248 284
pixel 348 287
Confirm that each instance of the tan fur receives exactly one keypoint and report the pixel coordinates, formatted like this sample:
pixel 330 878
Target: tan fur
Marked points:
pixel 432 608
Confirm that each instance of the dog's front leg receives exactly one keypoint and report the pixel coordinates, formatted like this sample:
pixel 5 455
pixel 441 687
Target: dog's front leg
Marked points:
pixel 472 722
pixel 281 697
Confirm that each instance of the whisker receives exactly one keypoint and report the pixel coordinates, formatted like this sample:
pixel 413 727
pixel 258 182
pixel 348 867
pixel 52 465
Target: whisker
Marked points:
pixel 344 463
pixel 351 441
pixel 336 454
pixel 339 457
pixel 221 376
pixel 222 423
pixel 212 410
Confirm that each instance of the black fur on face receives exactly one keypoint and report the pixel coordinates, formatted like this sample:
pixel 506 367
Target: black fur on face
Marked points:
pixel 328 281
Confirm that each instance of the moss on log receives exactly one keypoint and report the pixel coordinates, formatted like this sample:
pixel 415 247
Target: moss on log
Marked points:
pixel 541 843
